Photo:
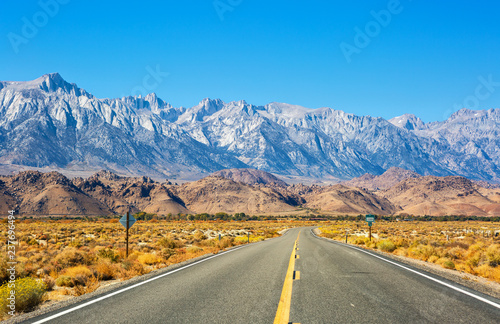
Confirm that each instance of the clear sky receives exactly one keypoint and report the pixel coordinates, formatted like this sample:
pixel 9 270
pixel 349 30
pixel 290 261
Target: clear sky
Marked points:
pixel 377 58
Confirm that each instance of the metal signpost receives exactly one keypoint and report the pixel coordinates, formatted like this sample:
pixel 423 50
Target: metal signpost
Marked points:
pixel 127 221
pixel 370 219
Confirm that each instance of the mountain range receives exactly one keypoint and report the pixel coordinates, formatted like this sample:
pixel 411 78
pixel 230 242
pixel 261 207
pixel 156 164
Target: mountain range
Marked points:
pixel 52 124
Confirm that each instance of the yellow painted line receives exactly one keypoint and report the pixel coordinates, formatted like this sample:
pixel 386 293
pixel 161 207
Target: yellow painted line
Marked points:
pixel 283 313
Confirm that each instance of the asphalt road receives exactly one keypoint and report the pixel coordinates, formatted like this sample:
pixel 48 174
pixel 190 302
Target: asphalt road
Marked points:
pixel 337 284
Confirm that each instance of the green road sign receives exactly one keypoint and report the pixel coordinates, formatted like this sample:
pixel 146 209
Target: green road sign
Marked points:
pixel 370 223
pixel 370 218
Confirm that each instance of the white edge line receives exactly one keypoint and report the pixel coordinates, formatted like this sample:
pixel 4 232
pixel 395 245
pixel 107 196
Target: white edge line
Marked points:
pixel 130 287
pixel 423 275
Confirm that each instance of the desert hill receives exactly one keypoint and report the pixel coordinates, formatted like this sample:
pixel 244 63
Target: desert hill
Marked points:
pixel 386 180
pixel 34 192
pixel 435 196
pixel 345 200
pixel 103 193
pixel 217 194
pixel 132 194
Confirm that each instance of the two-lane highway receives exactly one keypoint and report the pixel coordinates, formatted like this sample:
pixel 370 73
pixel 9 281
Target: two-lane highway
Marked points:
pixel 338 284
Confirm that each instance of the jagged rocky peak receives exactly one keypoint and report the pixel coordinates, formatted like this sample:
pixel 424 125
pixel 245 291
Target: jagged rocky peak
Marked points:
pixel 206 107
pixel 151 102
pixel 105 174
pixel 209 106
pixel 465 114
pixel 36 177
pixel 51 82
pixel 250 176
pixel 407 121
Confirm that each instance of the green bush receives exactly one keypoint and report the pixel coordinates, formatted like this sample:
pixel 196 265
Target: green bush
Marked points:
pixel 29 293
pixel 108 254
pixel 386 246
pixel 64 281
pixel 448 264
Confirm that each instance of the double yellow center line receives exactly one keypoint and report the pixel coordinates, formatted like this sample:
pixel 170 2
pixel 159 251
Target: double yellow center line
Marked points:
pixel 283 313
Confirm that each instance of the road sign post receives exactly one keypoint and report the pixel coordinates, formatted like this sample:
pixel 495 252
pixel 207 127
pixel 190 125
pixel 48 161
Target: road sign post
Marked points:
pixel 127 221
pixel 370 219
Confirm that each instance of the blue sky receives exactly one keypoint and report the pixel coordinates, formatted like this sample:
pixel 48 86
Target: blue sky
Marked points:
pixel 422 57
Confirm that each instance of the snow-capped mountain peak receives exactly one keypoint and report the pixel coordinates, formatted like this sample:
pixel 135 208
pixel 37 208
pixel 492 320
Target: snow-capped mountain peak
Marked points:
pixel 407 121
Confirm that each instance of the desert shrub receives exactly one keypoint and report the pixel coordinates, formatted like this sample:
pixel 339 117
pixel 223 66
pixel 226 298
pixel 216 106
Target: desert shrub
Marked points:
pixel 240 240
pixel 79 274
pixel 256 238
pixel 449 264
pixel 76 243
pixel 484 271
pixel 49 282
pixel 70 257
pixel 32 241
pixel 199 236
pixel 89 257
pixel 194 249
pixel 167 253
pixel 91 285
pixel 29 294
pixel 446 263
pixel 422 252
pixel 474 259
pixel 108 254
pixel 433 258
pixel 370 244
pixel 462 245
pixel 386 245
pixel 168 242
pixel 131 269
pixel 149 259
pixel 104 270
pixel 456 253
pixel 358 240
pixel 493 255
pixel 224 242
pixel 64 281
pixel 400 242
pixel 4 274
pixel 327 234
